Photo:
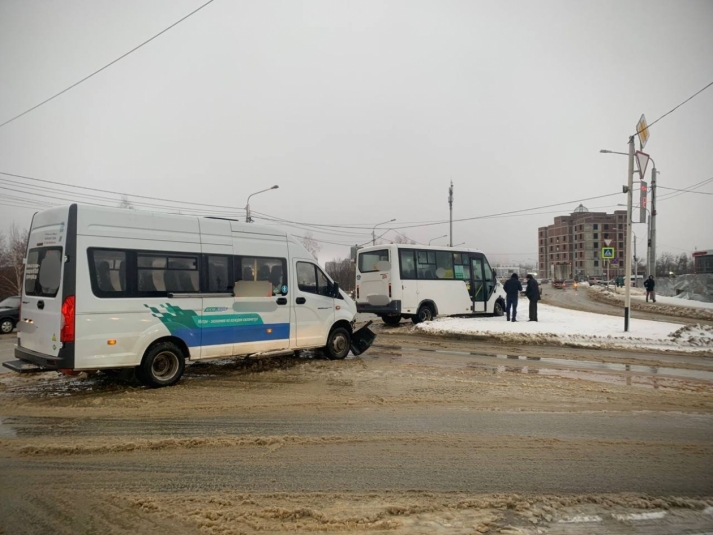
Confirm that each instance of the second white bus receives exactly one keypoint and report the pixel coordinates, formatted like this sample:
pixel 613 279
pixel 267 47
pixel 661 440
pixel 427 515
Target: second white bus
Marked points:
pixel 418 282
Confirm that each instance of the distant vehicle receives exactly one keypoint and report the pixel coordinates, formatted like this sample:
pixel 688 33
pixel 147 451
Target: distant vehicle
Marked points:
pixel 594 280
pixel 107 288
pixel 9 314
pixel 419 283
pixel 561 272
pixel 570 283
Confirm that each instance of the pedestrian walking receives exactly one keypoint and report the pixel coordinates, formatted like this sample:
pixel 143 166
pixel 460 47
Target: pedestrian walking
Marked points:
pixel 512 288
pixel 650 284
pixel 533 294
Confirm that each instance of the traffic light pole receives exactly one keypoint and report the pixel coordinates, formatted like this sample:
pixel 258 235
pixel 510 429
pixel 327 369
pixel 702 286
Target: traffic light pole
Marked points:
pixel 627 262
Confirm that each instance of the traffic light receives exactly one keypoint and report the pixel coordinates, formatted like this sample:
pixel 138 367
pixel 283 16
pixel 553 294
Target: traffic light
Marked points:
pixel 643 201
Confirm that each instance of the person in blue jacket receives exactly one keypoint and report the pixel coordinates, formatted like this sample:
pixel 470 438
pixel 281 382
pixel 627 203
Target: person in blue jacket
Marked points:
pixel 512 288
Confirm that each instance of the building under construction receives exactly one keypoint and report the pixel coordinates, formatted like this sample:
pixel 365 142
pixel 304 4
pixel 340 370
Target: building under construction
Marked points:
pixel 577 239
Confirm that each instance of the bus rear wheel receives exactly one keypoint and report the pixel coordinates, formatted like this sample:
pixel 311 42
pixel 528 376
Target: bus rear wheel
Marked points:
pixel 391 319
pixel 425 313
pixel 162 365
pixel 338 344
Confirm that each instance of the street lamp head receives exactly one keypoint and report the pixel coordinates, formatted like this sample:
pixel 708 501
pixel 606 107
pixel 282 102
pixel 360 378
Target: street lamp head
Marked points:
pixel 605 151
pixel 275 186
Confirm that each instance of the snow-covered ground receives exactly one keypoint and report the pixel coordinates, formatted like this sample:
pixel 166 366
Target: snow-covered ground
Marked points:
pixel 559 325
pixel 674 301
pixel 639 294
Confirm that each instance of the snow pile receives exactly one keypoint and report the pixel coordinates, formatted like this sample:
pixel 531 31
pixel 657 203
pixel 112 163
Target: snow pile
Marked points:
pixel 558 325
pixel 670 306
pixel 696 335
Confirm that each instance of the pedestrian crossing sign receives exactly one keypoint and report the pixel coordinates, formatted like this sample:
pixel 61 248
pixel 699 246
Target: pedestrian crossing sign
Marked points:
pixel 608 252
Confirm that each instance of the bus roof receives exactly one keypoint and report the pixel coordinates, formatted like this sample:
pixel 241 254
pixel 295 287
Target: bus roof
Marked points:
pixel 419 247
pixel 90 210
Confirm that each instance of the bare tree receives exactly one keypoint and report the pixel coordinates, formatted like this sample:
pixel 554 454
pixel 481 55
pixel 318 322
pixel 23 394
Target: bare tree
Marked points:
pixel 126 203
pixel 665 264
pixel 343 272
pixel 12 255
pixel 311 245
pixel 400 238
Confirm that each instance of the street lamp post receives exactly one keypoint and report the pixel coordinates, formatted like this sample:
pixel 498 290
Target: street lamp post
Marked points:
pixel 373 231
pixel 627 262
pixel 439 237
pixel 629 194
pixel 249 219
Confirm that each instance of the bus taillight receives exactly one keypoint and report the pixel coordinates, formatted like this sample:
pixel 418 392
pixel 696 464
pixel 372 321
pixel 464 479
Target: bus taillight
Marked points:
pixel 66 334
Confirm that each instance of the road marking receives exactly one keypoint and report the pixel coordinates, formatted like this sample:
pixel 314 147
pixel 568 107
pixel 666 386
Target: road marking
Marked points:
pixel 654 515
pixel 578 519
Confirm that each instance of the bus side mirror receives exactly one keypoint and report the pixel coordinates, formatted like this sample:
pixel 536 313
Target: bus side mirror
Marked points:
pixel 335 290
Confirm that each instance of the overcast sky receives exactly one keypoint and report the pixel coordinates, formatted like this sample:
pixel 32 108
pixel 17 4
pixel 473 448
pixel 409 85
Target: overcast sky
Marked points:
pixel 364 111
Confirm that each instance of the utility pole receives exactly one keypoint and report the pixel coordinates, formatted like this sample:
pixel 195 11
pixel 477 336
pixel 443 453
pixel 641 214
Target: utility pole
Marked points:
pixel 627 262
pixel 636 264
pixel 648 246
pixel 652 247
pixel 450 204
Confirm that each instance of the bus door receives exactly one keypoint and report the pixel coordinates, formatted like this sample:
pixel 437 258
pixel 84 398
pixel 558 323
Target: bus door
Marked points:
pixel 218 283
pixel 478 288
pixel 490 283
pixel 409 283
pixel 314 306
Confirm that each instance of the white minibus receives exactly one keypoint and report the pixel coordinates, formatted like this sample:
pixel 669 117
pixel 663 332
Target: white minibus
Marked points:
pixel 109 288
pixel 418 282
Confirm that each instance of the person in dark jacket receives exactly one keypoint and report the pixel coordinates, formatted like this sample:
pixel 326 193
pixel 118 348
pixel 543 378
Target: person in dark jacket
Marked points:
pixel 512 288
pixel 533 294
pixel 650 284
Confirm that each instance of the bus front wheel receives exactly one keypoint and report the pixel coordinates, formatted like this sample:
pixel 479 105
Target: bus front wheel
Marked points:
pixel 425 313
pixel 338 343
pixel 162 365
pixel 498 309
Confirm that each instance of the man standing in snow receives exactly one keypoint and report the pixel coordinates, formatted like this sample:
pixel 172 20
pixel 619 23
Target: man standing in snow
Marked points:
pixel 512 288
pixel 650 284
pixel 533 294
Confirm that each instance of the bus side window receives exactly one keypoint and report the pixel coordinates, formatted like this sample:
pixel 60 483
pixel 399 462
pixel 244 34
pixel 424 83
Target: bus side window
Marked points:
pixel 306 277
pixel 218 270
pixel 262 269
pixel 408 265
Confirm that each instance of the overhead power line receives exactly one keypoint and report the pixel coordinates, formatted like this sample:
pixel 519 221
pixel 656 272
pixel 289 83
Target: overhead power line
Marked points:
pixel 75 84
pixel 675 108
pixel 513 211
pixel 686 190
pixel 120 193
pixel 689 189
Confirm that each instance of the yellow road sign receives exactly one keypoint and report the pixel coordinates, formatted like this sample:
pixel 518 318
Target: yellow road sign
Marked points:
pixel 643 130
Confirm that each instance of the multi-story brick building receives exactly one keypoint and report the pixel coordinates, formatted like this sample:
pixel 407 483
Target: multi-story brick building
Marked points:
pixel 577 239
